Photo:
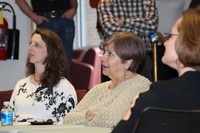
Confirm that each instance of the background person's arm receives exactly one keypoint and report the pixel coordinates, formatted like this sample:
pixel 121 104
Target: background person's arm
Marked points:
pixel 25 8
pixel 144 24
pixel 71 12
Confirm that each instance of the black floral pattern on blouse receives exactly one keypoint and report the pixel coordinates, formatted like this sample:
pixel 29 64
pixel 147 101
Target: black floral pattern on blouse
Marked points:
pixel 60 111
pixel 47 94
pixel 22 89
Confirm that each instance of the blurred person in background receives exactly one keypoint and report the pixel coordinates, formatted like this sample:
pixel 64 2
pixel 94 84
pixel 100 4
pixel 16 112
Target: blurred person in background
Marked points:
pixel 138 17
pixel 55 15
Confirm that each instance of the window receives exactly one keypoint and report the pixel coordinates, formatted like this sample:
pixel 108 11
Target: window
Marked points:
pixel 85 22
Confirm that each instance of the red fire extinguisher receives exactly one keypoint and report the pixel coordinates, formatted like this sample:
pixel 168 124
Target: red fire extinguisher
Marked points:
pixel 10 36
pixel 4 35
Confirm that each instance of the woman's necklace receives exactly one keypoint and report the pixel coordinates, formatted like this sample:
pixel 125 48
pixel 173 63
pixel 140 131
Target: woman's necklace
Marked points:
pixel 36 79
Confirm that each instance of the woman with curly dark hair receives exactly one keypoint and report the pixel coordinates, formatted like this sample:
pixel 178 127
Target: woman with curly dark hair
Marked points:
pixel 46 92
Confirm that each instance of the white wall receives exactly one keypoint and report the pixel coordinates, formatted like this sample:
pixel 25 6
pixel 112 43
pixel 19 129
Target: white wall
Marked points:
pixel 88 20
pixel 13 70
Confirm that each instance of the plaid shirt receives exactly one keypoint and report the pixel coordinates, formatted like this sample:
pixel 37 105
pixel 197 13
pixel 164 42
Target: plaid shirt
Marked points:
pixel 139 17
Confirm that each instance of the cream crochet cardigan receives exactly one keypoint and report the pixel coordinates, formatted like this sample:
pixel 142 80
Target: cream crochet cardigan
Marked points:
pixel 110 105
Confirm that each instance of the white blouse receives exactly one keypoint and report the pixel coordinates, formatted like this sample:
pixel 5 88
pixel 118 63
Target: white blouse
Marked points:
pixel 30 102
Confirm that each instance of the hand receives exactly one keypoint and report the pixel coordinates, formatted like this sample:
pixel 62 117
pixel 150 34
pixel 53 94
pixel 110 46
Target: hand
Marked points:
pixel 120 21
pixel 90 116
pixel 37 19
pixel 128 112
pixel 69 13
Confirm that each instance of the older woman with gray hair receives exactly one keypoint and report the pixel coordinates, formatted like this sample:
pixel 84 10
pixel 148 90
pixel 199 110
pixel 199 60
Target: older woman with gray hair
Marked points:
pixel 106 103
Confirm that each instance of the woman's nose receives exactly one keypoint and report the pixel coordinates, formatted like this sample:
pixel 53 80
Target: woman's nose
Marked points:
pixel 29 47
pixel 165 43
pixel 103 58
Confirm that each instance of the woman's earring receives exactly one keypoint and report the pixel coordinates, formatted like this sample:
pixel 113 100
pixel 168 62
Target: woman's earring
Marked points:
pixel 126 73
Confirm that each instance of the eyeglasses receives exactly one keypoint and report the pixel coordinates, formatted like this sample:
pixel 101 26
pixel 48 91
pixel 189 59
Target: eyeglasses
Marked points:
pixel 169 35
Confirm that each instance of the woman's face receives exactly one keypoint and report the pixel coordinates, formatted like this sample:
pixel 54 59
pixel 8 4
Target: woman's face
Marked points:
pixel 37 50
pixel 111 63
pixel 170 56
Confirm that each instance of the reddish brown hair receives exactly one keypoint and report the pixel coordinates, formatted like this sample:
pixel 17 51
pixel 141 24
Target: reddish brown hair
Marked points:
pixel 56 62
pixel 188 43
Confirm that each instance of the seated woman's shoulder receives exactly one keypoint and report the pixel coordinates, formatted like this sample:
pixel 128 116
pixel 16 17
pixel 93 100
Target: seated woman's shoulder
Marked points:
pixel 64 82
pixel 142 78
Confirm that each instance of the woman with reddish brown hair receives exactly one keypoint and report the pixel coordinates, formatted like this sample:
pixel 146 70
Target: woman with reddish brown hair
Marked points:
pixel 182 53
pixel 46 93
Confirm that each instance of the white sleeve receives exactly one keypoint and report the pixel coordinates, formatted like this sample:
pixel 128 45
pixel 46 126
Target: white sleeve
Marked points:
pixel 66 98
pixel 12 99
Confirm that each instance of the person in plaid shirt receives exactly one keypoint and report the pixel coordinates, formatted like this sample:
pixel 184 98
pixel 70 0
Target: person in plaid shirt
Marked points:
pixel 137 16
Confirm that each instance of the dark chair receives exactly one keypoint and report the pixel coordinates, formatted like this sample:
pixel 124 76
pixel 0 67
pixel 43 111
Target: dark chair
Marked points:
pixel 157 120
pixel 5 96
pixel 79 53
pixel 85 70
pixel 93 57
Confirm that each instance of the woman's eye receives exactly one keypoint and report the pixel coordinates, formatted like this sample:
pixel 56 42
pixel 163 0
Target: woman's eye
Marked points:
pixel 110 54
pixel 38 45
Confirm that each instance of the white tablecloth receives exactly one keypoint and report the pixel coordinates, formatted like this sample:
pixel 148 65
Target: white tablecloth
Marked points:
pixel 55 128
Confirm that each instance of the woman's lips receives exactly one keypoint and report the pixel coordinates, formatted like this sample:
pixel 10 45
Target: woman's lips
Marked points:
pixel 30 55
pixel 103 66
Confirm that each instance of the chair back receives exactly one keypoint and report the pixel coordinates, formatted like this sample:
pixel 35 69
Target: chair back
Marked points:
pixel 5 96
pixel 157 120
pixel 79 53
pixel 93 57
pixel 85 71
